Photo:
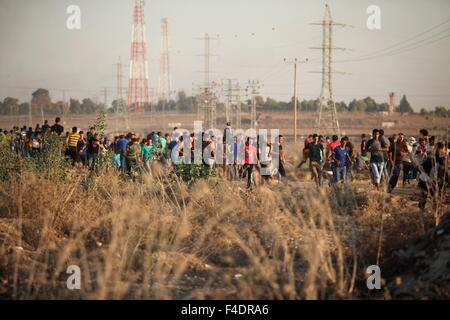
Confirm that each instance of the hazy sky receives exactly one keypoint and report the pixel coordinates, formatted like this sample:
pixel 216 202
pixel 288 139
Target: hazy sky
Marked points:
pixel 37 50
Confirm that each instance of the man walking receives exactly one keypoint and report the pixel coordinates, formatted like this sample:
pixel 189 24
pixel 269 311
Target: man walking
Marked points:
pixel 341 159
pixel 316 159
pixel 398 155
pixel 377 163
pixel 72 143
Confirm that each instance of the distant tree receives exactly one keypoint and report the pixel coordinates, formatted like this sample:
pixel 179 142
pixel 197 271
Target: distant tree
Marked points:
pixel 101 108
pixel 259 101
pixel 10 106
pixel 442 112
pixel 271 104
pixel 160 105
pixel 58 107
pixel 371 105
pixel 24 108
pixel 88 106
pixel 341 106
pixel 74 106
pixel 357 106
pixel 404 106
pixel 291 104
pixel 383 107
pixel 423 111
pixel 117 105
pixel 41 102
pixel 171 105
pixel 309 105
pixel 185 103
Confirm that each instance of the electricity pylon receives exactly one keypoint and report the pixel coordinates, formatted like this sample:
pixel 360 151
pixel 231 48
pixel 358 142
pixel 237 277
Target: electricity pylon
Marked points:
pixel 164 83
pixel 138 93
pixel 207 98
pixel 327 121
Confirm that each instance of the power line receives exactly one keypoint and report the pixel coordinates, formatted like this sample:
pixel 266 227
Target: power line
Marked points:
pixel 392 50
pixel 411 38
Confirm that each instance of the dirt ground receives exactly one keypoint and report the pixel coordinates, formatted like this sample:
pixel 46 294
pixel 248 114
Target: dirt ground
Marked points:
pixel 351 124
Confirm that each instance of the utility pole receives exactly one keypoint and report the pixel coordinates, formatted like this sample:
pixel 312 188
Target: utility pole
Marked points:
pixel 105 97
pixel 229 103
pixel 295 62
pixel 327 121
pixel 64 107
pixel 238 123
pixel 30 121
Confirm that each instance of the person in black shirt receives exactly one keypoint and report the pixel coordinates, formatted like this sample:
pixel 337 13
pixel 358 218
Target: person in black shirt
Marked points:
pixel 94 146
pixel 316 159
pixel 282 155
pixel 434 176
pixel 45 127
pixel 57 128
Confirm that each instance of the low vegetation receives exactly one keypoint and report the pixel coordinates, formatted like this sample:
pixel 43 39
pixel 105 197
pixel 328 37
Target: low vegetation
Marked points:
pixel 160 238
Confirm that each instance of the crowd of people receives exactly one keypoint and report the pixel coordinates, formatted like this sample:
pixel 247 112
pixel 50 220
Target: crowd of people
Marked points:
pixel 133 155
pixel 425 160
pixel 331 160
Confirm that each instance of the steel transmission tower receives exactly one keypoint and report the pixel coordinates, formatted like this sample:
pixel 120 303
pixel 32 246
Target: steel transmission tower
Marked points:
pixel 233 102
pixel 164 84
pixel 138 93
pixel 327 121
pixel 238 111
pixel 121 109
pixel 207 98
pixel 229 102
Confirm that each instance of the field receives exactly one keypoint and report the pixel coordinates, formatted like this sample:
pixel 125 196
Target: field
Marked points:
pixel 352 124
pixel 159 238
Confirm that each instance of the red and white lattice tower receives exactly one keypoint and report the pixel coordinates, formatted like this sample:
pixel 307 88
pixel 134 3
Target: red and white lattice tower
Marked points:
pixel 138 91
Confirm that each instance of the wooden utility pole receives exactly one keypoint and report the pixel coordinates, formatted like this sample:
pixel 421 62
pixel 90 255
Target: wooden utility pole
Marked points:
pixel 295 62
pixel 30 116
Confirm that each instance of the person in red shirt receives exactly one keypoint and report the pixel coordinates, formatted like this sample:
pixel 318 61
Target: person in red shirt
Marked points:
pixel 250 160
pixel 308 140
pixel 330 147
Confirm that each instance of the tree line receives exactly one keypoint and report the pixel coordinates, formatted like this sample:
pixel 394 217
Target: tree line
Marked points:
pixel 41 103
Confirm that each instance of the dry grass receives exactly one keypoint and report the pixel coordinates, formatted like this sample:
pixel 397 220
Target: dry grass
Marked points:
pixel 159 239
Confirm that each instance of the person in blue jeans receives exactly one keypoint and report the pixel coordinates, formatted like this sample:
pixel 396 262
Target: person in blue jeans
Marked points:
pixel 377 150
pixel 122 144
pixel 341 158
